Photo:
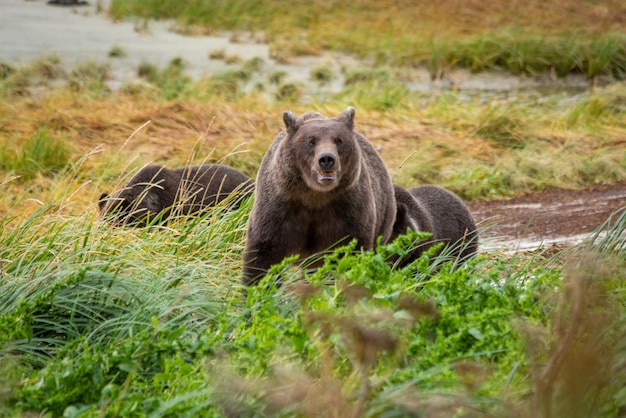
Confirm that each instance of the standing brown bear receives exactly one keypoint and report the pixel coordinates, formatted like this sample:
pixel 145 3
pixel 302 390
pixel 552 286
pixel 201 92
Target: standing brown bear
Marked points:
pixel 158 191
pixel 321 183
pixel 438 211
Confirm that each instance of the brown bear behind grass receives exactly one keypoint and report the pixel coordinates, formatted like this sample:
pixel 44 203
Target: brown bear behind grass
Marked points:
pixel 438 211
pixel 159 191
pixel 321 183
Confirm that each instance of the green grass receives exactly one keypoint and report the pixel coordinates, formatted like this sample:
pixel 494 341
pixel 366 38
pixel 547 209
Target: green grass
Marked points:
pixel 40 153
pixel 98 320
pixel 171 81
pixel 518 52
pixel 90 76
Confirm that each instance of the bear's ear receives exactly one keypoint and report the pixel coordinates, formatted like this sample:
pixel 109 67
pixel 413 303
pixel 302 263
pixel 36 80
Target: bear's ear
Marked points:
pixel 291 121
pixel 347 118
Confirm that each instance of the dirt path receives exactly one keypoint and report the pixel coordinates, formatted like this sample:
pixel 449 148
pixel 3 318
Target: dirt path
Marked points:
pixel 552 217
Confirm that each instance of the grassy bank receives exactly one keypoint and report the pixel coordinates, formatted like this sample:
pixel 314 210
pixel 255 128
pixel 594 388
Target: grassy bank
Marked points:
pixel 484 146
pixel 523 37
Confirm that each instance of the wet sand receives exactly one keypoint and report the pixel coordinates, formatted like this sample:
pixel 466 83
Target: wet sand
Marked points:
pixel 32 29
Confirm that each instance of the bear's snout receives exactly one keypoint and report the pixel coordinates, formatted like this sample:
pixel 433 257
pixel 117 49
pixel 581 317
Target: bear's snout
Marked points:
pixel 326 161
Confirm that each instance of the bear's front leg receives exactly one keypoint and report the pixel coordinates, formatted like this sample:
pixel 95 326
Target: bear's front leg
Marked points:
pixel 277 235
pixel 257 259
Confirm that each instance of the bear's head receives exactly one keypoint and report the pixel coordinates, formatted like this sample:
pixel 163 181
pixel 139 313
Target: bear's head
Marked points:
pixel 325 150
pixel 133 206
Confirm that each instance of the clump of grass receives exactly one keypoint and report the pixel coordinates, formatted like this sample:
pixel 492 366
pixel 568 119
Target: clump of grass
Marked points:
pixel 142 26
pixel 373 89
pixel 277 77
pixel 6 70
pixel 90 76
pixel 48 67
pixel 148 71
pixel 609 237
pixel 17 83
pixel 595 109
pixel 605 55
pixel 322 74
pixel 134 325
pixel 253 65
pixel 139 88
pixel 288 92
pixel 191 30
pixel 522 53
pixel 217 54
pixel 379 95
pixel 355 76
pixel 285 47
pixel 172 81
pixel 41 72
pixel 227 84
pixel 502 127
pixel 232 59
pixel 117 52
pixel 40 153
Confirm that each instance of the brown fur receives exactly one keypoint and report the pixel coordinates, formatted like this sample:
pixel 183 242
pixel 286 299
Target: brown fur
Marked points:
pixel 438 211
pixel 157 190
pixel 411 214
pixel 319 184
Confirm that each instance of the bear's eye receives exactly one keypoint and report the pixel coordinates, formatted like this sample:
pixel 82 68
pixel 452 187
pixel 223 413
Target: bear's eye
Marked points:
pixel 312 141
pixel 338 141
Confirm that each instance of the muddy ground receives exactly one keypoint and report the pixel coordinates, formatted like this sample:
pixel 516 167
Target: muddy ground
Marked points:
pixel 548 218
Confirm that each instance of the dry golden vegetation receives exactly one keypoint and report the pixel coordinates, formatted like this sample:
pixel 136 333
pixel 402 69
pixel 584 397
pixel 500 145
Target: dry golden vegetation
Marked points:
pixel 501 148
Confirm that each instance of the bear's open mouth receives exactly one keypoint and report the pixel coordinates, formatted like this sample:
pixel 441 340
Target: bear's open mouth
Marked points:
pixel 326 176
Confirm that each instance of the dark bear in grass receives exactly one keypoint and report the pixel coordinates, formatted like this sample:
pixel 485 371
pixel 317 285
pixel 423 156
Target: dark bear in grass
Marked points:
pixel 321 183
pixel 156 191
pixel 438 211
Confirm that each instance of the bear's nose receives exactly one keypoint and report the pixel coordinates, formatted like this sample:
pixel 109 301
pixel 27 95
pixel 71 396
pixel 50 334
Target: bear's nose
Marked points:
pixel 326 161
